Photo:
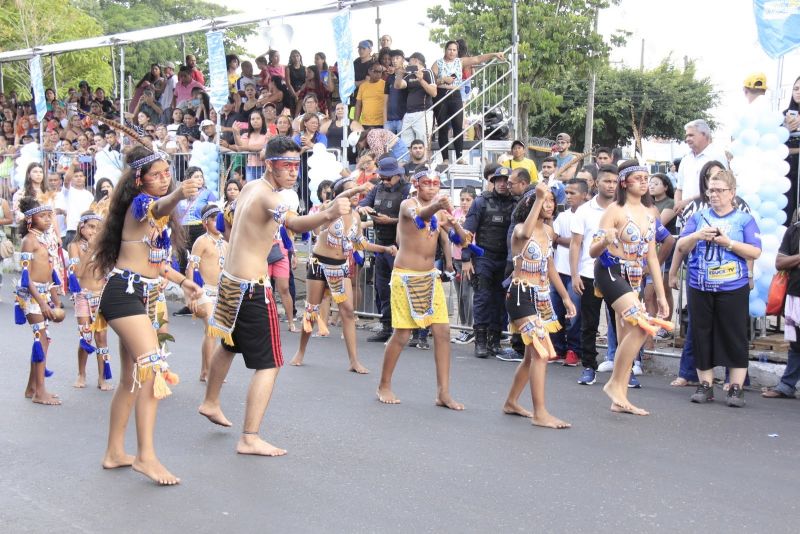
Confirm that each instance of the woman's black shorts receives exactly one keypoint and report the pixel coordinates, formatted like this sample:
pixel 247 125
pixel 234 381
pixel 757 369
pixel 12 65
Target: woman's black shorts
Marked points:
pixel 520 303
pixel 610 281
pixel 115 303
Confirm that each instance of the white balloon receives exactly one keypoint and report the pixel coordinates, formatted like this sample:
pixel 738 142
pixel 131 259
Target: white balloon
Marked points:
pixel 781 151
pixel 768 141
pixel 749 137
pixel 320 148
pixel 782 133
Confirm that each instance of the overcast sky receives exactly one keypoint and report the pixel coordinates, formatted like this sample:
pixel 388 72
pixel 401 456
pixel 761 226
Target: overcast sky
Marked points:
pixel 720 35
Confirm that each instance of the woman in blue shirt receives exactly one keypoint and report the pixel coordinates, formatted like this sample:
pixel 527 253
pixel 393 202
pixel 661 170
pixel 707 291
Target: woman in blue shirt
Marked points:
pixel 719 240
pixel 190 211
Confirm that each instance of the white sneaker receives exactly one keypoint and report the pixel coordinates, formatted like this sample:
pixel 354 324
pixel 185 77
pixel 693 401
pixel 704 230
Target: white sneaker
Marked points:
pixel 605 367
pixel 637 368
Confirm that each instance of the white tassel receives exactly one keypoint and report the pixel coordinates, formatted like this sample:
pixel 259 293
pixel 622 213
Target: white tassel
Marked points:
pixel 129 289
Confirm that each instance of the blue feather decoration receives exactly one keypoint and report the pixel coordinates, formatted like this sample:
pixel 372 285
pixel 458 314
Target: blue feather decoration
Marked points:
pixel 19 315
pixel 419 222
pixel 72 283
pixel 56 279
pixel 305 236
pixel 85 345
pixel 220 223
pixel 197 278
pixel 107 370
pixel 37 352
pixel 287 241
pixel 48 373
pixel 434 223
pixel 454 237
pixel 25 280
pixel 358 257
pixel 140 205
pixel 175 265
pixel 478 251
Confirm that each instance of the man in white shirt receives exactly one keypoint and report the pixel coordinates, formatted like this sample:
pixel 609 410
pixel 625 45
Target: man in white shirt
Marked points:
pixel 567 341
pixel 698 137
pixel 77 199
pixel 170 81
pixel 55 185
pixel 585 222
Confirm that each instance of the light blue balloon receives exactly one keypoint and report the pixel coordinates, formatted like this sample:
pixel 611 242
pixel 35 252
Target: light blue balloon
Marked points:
pixel 767 123
pixel 781 201
pixel 768 224
pixel 758 308
pixel 782 133
pixel 753 201
pixel 763 285
pixel 749 137
pixel 768 141
pixel 779 216
pixel 768 206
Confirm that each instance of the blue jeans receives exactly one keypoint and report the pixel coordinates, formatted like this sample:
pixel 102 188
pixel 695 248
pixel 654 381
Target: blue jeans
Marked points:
pixel 788 383
pixel 569 337
pixel 393 126
pixel 687 370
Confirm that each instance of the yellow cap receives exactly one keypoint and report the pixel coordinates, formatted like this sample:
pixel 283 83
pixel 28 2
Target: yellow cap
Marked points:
pixel 757 80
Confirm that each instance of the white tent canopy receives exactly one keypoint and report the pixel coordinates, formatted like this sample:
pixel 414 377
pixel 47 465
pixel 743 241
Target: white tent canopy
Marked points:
pixel 182 28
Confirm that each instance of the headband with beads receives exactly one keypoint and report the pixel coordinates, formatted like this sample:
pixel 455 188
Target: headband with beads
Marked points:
pixel 89 217
pixel 211 213
pixel 629 170
pixel 425 173
pixel 38 209
pixel 284 158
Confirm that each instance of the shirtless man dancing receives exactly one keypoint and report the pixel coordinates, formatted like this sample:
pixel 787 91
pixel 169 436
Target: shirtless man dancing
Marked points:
pixel 417 294
pixel 245 316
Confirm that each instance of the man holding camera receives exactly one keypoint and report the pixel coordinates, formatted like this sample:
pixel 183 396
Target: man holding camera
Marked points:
pixel 418 119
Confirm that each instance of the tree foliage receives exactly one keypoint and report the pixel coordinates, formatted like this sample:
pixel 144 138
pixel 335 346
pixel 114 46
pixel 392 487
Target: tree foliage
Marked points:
pixel 116 16
pixel 29 23
pixel 658 101
pixel 557 39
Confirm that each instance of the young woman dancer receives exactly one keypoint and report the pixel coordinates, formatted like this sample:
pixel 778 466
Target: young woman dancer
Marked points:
pixel 528 302
pixel 626 240
pixel 86 286
pixel 328 267
pixel 133 248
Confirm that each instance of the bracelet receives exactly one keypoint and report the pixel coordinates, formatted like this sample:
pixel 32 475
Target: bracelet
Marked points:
pixel 182 281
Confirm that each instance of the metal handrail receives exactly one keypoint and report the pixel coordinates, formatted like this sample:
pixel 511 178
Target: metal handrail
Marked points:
pixel 480 70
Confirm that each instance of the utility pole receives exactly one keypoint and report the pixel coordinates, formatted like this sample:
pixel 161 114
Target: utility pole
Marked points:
pixel 515 130
pixel 641 58
pixel 588 132
pixel 378 27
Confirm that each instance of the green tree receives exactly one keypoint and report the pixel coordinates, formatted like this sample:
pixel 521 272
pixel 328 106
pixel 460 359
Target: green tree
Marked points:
pixel 116 16
pixel 29 23
pixel 557 39
pixel 659 102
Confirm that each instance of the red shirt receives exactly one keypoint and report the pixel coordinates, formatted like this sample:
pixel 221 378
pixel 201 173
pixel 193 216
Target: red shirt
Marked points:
pixel 197 76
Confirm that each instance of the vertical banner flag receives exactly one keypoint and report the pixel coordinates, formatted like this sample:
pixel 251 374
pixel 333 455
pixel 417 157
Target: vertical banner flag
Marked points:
pixel 38 87
pixel 778 24
pixel 218 71
pixel 344 54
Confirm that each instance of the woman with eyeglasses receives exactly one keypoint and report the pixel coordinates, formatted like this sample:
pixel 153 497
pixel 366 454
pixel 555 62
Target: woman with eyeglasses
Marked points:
pixel 719 241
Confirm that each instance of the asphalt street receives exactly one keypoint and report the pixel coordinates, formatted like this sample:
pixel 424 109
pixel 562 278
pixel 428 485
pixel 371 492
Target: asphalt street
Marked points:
pixel 355 465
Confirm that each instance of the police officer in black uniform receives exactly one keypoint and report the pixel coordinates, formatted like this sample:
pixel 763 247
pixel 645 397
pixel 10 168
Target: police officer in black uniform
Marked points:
pixel 489 218
pixel 383 205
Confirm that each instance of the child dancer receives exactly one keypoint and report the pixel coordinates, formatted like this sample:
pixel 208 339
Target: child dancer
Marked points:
pixel 86 287
pixel 36 303
pixel 205 265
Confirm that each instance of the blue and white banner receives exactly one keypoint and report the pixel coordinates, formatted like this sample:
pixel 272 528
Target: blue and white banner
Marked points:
pixel 218 71
pixel 344 54
pixel 38 87
pixel 778 24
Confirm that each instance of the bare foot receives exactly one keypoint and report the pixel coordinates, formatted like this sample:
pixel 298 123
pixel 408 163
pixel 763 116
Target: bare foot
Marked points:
pixel 102 385
pixel 155 471
pixel 358 368
pixel 46 398
pixel 549 421
pixel 203 377
pixel 512 408
pixel 293 328
pixel 387 397
pixel 618 397
pixel 252 444
pixel 80 382
pixel 214 414
pixel 29 393
pixel 446 401
pixel 297 361
pixel 114 461
pixel 630 408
